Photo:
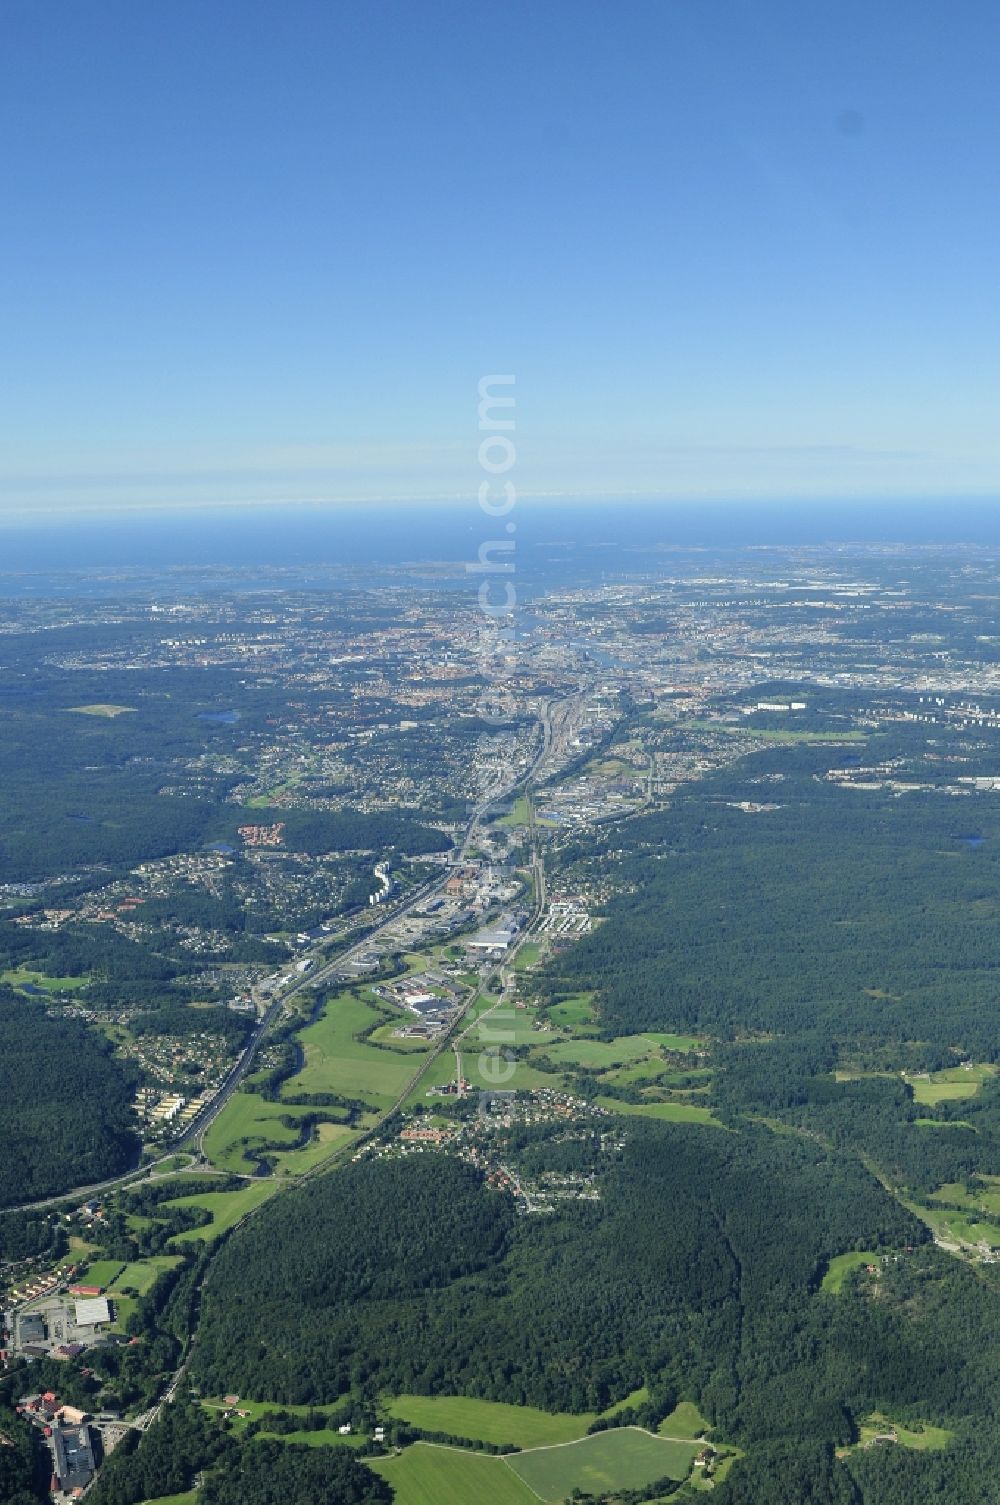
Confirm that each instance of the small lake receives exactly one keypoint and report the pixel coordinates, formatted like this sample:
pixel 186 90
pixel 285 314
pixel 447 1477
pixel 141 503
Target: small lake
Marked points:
pixel 223 718
pixel 970 841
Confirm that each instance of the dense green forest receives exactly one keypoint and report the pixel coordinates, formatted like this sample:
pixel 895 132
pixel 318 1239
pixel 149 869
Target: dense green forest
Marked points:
pixel 697 1275
pixel 846 911
pixel 65 1111
pixel 702 1258
pixel 23 1458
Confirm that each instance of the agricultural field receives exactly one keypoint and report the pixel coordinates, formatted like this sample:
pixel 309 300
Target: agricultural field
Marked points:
pixel 951 1085
pixel 766 734
pixel 958 1228
pixel 258 1408
pixel 335 1061
pixel 574 1014
pixel 678 1113
pixel 326 1139
pixel 602 1055
pixel 982 1196
pixel 626 1050
pixel 518 1026
pixel 622 1458
pixel 489 1421
pixel 250 1122
pixel 226 1208
pixel 426 1474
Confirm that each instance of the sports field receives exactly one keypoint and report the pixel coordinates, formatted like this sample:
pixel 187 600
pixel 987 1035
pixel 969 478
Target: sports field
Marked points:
pixel 623 1458
pixel 527 955
pixel 489 1421
pixel 426 1474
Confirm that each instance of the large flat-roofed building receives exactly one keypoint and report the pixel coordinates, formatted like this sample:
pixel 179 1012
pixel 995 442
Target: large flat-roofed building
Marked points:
pixel 31 1328
pixel 92 1311
pixel 73 1454
pixel 496 938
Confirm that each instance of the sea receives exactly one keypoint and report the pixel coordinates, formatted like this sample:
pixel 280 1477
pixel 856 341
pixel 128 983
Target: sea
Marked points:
pixel 551 545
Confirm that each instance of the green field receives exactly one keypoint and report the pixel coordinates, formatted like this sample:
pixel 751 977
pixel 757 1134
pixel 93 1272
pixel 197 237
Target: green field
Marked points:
pixel 519 815
pixel 766 734
pixel 100 1272
pixel 142 1274
pixel 957 1227
pixel 426 1474
pixel 258 1408
pixel 951 1085
pixel 226 1207
pixel 622 1458
pixel 601 1055
pixel 927 1439
pixel 679 1113
pixel 247 1116
pixel 685 1420
pixel 982 1198
pixel 336 1062
pixel 489 1421
pixel 573 1013
pixel 841 1266
pixel 527 956
pixel 18 976
pixel 122 1307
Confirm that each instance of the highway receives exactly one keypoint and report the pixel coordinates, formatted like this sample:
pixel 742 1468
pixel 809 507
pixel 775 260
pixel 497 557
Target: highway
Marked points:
pixel 194 1135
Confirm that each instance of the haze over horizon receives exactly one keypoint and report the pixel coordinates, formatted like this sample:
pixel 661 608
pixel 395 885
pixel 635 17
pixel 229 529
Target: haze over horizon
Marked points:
pixel 260 255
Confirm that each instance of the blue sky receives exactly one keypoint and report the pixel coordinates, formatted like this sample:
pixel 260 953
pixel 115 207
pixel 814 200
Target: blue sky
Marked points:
pixel 730 248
